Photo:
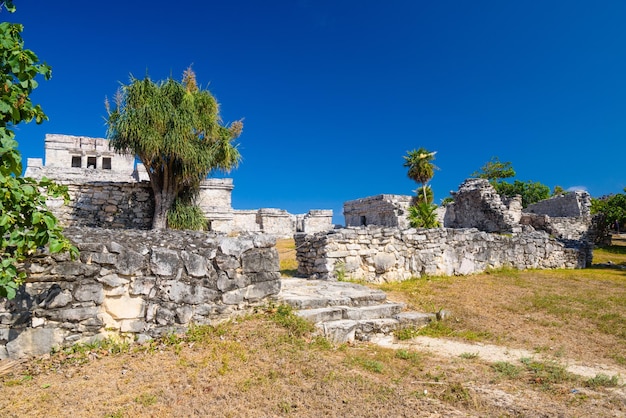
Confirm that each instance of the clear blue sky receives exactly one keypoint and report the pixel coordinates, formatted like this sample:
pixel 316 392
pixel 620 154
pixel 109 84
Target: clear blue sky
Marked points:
pixel 335 92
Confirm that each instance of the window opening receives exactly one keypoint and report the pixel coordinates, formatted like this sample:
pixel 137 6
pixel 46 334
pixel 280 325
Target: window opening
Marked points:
pixel 91 162
pixel 363 221
pixel 106 163
pixel 76 161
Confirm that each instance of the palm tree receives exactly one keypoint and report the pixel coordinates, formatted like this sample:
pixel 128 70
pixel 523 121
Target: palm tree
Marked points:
pixel 421 168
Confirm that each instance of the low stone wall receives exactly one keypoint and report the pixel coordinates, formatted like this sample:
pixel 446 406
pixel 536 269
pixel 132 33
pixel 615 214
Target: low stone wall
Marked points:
pixel 145 283
pixel 379 254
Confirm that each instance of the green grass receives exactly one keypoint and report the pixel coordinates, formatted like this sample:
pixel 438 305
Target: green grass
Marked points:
pixel 296 326
pixel 469 356
pixel 613 253
pixel 602 380
pixel 366 363
pixel 506 369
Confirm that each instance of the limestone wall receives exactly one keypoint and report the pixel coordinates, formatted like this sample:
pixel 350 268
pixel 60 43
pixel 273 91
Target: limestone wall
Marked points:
pixel 107 205
pixel 573 204
pixel 382 210
pixel 378 254
pixel 143 283
pixel 69 151
pixel 316 220
pixel 478 205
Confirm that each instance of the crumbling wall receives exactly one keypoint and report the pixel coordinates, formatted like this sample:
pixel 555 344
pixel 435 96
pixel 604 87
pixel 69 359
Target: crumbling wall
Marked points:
pixel 144 283
pixel 376 254
pixel 478 205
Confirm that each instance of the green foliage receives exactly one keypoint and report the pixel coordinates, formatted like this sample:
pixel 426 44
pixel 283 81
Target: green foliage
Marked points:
pixel 602 380
pixel 188 216
pixel 421 168
pixel 558 190
pixel 423 215
pixel 424 192
pixel 175 130
pixel 295 325
pixel 507 369
pixel 447 200
pixel 495 170
pixel 404 334
pixel 531 192
pixel 25 223
pixel 611 210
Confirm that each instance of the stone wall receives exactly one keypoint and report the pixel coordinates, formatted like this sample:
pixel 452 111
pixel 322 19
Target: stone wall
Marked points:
pixel 478 205
pixel 316 220
pixel 378 254
pixel 382 210
pixel 69 151
pixel 143 283
pixel 107 205
pixel 572 204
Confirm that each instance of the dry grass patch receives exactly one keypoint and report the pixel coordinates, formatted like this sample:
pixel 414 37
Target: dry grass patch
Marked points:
pixel 572 313
pixel 287 256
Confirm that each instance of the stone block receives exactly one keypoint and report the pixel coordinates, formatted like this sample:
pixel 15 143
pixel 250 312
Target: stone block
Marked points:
pixel 164 262
pixel 124 307
pixel 89 292
pixel 35 342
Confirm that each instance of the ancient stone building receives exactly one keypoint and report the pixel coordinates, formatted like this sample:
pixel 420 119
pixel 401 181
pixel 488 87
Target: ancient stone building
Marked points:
pixel 383 210
pixel 113 191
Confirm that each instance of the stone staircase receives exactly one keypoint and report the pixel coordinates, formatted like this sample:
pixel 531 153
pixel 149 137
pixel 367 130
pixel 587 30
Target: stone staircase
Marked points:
pixel 344 311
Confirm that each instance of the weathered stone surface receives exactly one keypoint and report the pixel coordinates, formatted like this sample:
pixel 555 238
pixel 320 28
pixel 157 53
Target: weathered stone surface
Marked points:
pixel 113 280
pixel 478 205
pixel 150 291
pixel 164 262
pixel 129 262
pixel 74 268
pixel 71 314
pixel 124 307
pixel 35 342
pixel 89 292
pixel 260 260
pixel 195 265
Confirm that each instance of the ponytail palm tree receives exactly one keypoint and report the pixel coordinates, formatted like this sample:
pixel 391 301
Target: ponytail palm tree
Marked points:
pixel 174 128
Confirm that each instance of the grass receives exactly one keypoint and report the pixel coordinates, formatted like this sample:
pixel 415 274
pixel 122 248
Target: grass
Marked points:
pixel 287 257
pixel 273 364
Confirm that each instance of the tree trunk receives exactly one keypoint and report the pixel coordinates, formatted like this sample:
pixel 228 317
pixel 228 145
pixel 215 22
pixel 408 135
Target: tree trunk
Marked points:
pixel 162 203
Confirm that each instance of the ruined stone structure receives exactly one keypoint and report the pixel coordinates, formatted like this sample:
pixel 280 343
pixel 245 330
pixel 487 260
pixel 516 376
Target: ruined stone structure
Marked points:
pixel 382 210
pixel 478 205
pixel 144 284
pixel 377 254
pixel 109 190
pixel 481 231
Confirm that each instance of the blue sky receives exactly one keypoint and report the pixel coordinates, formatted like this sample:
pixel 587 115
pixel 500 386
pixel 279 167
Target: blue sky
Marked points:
pixel 333 93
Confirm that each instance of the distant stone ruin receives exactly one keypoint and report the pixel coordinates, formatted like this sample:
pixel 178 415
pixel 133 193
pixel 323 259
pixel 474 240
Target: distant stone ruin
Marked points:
pixel 478 205
pixel 382 210
pixel 481 230
pixel 110 190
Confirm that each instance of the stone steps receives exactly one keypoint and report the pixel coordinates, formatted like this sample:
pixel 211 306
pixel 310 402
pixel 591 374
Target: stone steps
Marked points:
pixel 345 311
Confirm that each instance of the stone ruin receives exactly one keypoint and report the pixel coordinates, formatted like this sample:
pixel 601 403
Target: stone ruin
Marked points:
pixel 110 190
pixel 143 284
pixel 481 230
